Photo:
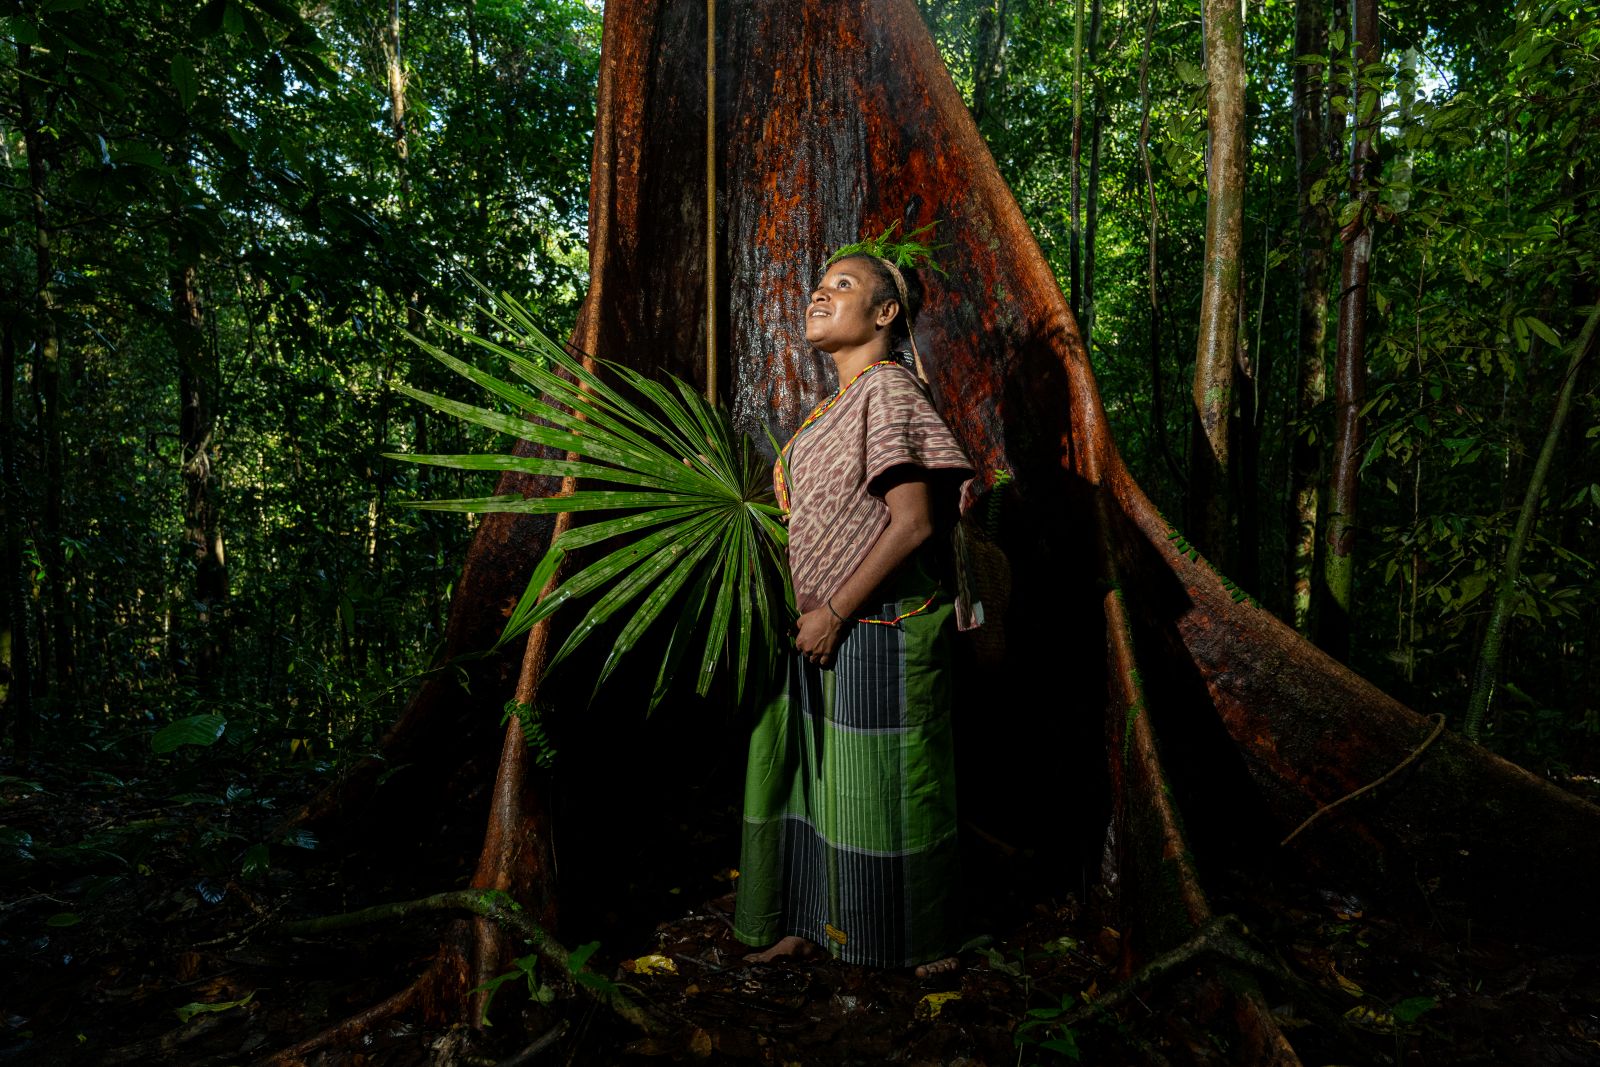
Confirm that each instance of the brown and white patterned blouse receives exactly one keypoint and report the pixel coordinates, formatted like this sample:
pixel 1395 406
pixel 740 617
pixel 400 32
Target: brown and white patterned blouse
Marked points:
pixel 881 420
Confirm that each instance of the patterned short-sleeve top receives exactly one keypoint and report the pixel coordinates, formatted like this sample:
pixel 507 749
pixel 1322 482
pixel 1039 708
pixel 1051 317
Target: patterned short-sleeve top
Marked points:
pixel 881 420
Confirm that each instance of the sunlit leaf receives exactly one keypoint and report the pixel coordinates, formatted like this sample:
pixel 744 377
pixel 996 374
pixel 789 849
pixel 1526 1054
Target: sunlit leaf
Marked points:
pixel 700 550
pixel 195 730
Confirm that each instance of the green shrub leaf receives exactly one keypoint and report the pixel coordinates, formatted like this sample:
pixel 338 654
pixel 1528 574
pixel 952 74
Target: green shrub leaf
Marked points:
pixel 195 730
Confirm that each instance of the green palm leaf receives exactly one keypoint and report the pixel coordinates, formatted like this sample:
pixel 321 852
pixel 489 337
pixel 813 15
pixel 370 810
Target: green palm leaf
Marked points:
pixel 693 549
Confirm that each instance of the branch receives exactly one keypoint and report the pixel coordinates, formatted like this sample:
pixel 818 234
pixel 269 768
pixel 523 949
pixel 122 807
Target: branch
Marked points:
pixel 497 907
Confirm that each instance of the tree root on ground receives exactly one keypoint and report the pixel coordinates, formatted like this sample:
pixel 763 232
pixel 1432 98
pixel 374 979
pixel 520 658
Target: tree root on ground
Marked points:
pixel 348 1030
pixel 486 904
pixel 1223 937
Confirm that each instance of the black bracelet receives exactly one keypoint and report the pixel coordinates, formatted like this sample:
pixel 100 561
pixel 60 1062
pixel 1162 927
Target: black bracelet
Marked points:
pixel 835 614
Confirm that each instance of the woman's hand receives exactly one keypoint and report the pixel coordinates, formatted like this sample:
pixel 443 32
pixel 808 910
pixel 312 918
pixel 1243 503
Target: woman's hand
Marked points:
pixel 818 635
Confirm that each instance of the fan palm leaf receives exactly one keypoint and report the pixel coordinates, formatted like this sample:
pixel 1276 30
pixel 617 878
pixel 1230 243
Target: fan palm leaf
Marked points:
pixel 693 522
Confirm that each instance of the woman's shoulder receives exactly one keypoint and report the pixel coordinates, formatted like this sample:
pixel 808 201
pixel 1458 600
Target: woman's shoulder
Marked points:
pixel 897 381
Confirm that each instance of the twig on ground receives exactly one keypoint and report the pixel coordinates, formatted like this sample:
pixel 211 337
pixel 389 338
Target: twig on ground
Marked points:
pixel 544 1041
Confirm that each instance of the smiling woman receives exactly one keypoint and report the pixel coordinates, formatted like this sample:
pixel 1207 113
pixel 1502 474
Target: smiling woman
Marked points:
pixel 850 821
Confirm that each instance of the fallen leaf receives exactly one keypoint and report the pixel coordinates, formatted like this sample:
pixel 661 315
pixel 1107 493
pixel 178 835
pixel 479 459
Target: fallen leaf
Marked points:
pixel 651 964
pixel 1362 1015
pixel 727 874
pixel 189 1011
pixel 932 1004
pixel 700 1044
pixel 1348 986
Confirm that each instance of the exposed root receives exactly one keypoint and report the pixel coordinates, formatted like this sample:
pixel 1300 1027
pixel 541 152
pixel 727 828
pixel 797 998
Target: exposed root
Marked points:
pixel 350 1029
pixel 1221 936
pixel 498 908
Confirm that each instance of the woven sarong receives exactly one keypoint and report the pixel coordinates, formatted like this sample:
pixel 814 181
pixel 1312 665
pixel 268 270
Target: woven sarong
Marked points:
pixel 849 810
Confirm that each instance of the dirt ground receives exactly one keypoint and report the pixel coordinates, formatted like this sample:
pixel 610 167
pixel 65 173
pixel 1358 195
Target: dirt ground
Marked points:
pixel 137 925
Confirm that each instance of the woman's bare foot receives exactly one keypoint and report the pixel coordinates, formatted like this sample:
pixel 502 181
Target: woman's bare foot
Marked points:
pixel 944 966
pixel 792 947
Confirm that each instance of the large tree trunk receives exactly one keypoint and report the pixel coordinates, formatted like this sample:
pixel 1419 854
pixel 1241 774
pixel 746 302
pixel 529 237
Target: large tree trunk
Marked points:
pixel 1271 729
pixel 1208 509
pixel 1350 358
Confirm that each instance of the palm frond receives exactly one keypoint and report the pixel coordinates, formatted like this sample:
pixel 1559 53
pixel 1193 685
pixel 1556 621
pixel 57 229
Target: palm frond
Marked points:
pixel 695 549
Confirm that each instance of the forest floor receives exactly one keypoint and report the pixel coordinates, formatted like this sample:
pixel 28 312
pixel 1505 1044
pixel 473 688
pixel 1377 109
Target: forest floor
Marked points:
pixel 137 926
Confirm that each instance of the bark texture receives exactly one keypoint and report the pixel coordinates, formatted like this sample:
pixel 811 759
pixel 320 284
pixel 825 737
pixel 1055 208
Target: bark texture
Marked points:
pixel 1350 358
pixel 1311 164
pixel 1271 729
pixel 1219 295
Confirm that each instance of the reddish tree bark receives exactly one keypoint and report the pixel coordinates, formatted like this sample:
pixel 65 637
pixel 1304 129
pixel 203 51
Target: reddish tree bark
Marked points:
pixel 839 120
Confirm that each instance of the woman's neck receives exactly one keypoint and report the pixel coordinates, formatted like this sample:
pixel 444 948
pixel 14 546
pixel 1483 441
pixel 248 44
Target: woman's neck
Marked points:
pixel 852 362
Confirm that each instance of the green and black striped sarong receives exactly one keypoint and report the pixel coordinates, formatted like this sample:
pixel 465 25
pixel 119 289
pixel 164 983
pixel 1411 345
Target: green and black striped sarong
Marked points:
pixel 849 810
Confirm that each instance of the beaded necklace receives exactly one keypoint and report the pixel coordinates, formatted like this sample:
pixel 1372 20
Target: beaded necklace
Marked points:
pixel 780 482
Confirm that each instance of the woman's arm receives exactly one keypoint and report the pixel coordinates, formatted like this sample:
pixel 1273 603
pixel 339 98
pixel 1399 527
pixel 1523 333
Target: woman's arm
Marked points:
pixel 822 629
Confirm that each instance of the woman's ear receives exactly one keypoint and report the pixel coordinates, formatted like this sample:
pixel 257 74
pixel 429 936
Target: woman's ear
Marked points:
pixel 887 311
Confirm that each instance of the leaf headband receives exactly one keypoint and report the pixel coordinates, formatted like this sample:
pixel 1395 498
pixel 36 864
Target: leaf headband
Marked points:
pixel 906 252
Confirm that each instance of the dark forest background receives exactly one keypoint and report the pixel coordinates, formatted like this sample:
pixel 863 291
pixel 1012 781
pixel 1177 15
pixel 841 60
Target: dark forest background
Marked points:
pixel 221 218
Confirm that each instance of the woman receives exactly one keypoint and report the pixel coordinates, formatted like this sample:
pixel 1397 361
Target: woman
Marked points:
pixel 849 838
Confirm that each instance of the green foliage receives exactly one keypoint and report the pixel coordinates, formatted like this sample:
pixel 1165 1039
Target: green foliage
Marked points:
pixel 530 719
pixel 1042 1029
pixel 1485 258
pixel 709 541
pixel 238 139
pixel 906 252
pixel 524 968
pixel 203 730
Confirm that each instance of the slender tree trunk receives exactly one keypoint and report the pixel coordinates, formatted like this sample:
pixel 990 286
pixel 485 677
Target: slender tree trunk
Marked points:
pixel 1487 675
pixel 1316 239
pixel 1350 363
pixel 1092 221
pixel 1249 371
pixel 18 679
pixel 47 389
pixel 202 516
pixel 1075 267
pixel 989 66
pixel 1158 411
pixel 1208 511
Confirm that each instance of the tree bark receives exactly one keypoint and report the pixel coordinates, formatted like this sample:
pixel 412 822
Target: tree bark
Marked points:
pixel 1092 214
pixel 1208 505
pixel 1158 411
pixel 989 65
pixel 198 384
pixel 1487 675
pixel 17 665
pixel 47 392
pixel 1311 162
pixel 1075 260
pixel 1270 730
pixel 1350 359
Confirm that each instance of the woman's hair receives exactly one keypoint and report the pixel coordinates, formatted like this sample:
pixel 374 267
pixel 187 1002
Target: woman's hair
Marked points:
pixel 884 289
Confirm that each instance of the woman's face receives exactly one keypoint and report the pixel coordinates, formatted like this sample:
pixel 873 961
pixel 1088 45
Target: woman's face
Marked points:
pixel 840 314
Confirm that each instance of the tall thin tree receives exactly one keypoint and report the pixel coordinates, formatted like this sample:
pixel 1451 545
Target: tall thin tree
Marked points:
pixel 55 640
pixel 1208 510
pixel 1312 164
pixel 1350 362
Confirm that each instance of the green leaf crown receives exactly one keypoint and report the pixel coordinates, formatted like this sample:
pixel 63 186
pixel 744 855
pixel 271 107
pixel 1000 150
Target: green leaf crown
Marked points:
pixel 906 252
